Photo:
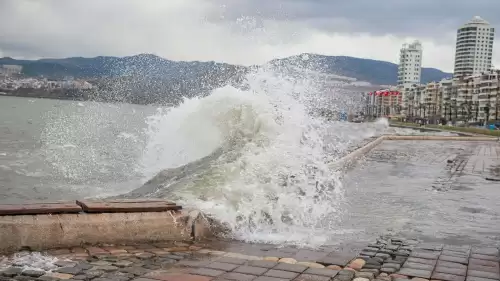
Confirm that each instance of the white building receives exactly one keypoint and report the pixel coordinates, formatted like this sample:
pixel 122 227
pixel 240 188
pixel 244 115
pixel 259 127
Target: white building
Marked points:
pixel 474 47
pixel 410 64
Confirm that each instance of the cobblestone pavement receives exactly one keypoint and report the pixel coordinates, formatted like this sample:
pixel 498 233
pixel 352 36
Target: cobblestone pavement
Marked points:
pixel 388 259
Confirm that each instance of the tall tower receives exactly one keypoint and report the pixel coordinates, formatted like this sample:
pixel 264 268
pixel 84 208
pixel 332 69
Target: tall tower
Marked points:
pixel 474 47
pixel 410 64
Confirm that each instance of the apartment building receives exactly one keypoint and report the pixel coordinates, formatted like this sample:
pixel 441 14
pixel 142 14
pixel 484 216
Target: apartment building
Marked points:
pixel 410 64
pixel 473 98
pixel 474 47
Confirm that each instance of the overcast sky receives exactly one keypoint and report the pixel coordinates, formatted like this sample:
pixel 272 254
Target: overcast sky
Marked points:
pixel 238 31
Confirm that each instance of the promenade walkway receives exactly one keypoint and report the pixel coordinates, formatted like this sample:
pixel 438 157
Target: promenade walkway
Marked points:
pixel 389 259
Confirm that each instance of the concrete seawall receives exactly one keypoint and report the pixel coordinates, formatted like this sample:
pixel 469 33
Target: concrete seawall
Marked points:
pixel 63 230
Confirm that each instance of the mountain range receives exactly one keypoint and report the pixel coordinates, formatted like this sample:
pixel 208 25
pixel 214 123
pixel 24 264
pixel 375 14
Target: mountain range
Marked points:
pixel 156 68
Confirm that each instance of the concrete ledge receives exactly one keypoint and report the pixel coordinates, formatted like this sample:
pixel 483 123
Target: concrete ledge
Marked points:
pixel 351 158
pixel 39 232
pixel 440 138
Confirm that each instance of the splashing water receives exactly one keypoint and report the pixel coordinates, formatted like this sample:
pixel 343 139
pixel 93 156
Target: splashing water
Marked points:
pixel 264 160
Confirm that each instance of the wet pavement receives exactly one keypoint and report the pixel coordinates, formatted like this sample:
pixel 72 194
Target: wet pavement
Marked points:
pixel 388 259
pixel 434 191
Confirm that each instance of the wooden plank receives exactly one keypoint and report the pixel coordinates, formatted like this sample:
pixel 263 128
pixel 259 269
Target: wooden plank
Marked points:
pixel 127 206
pixel 40 208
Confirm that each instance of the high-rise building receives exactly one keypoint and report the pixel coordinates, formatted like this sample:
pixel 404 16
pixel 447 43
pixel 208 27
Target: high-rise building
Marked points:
pixel 474 47
pixel 410 64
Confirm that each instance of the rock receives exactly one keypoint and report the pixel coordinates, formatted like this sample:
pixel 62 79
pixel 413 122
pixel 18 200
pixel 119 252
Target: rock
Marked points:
pixel 350 269
pixel 33 273
pixel 288 260
pixel 372 266
pixel 271 259
pixel 334 267
pixel 361 279
pixel 12 271
pixel 357 264
pixel 419 279
pixel 311 264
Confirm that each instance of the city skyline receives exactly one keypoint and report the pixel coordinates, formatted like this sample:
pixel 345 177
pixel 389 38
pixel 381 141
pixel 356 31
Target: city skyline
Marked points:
pixel 239 32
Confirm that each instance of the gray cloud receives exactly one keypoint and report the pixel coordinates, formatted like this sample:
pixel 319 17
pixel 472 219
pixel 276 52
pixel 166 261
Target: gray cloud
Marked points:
pixel 377 17
pixel 237 31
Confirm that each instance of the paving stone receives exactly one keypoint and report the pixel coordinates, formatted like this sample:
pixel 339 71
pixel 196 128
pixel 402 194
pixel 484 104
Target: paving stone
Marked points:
pixel 207 272
pixel 65 263
pixel 344 272
pixel 236 276
pixel 84 266
pixel 222 266
pixel 69 270
pixel 374 261
pixel 484 257
pixel 137 271
pixel 368 253
pixel 374 271
pixel 403 253
pixel 392 247
pixel 143 279
pixel 483 263
pixel 450 270
pixel 80 277
pixel 253 270
pixel 91 274
pixel 425 255
pixel 451 264
pixel 174 257
pixel 268 278
pixel 486 251
pixel 58 276
pixel 383 255
pixel 232 260
pixel 265 264
pixel 336 258
pixel 416 272
pixel 474 278
pixel 415 265
pixel 190 263
pixel 462 260
pixel 342 278
pixel 367 275
pixel 100 263
pixel 309 277
pixel 281 274
pixel 392 265
pixel 385 251
pixel 455 248
pixel 484 274
pixel 291 267
pixel 321 271
pixel 422 261
pixel 454 254
pixel 105 268
pixel 388 270
pixel 483 268
pixel 12 271
pixel 447 277
pixel 33 273
pixel 24 278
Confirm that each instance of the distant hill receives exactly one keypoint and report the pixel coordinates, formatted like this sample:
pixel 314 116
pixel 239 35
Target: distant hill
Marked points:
pixel 156 68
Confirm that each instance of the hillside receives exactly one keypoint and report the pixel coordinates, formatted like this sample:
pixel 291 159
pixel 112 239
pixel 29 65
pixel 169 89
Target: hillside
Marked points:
pixel 152 67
